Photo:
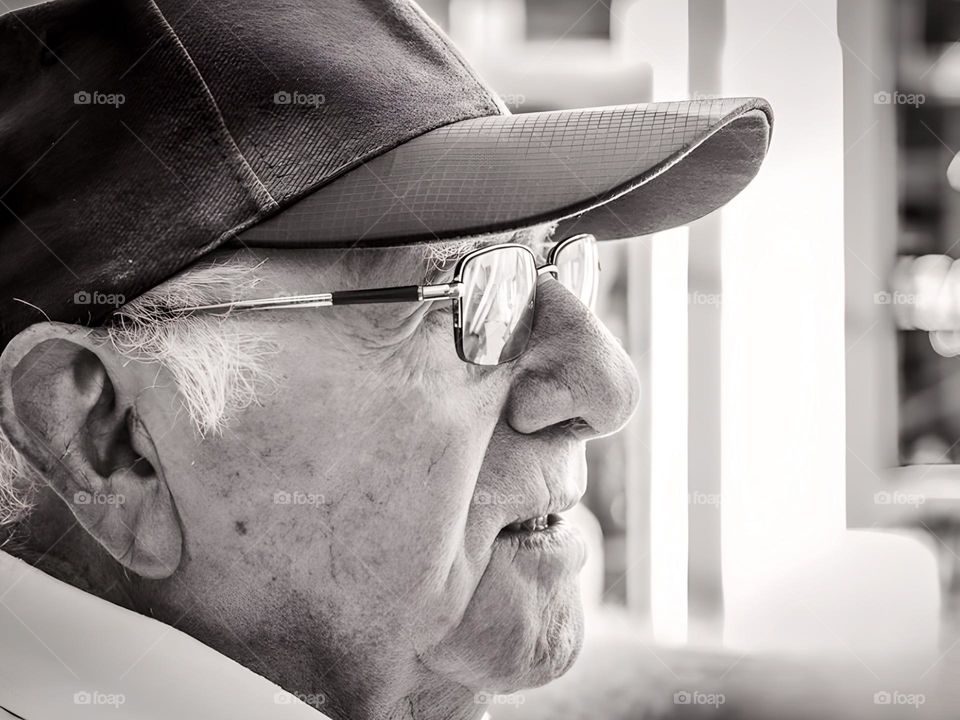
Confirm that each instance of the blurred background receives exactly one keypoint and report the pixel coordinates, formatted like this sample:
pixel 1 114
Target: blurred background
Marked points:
pixel 770 520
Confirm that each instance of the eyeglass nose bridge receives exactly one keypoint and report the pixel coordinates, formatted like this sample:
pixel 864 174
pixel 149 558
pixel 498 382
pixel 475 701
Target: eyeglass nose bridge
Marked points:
pixel 545 269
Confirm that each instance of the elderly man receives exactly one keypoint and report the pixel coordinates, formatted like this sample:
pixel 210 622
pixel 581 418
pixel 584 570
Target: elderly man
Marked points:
pixel 299 356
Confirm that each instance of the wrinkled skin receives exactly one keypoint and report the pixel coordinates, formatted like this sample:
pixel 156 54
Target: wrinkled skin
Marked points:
pixel 384 586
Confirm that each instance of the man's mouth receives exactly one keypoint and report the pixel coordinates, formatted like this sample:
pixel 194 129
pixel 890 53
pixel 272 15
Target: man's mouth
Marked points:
pixel 555 543
pixel 537 524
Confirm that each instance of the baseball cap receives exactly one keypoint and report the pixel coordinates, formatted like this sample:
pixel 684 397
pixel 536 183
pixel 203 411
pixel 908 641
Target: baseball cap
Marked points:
pixel 139 136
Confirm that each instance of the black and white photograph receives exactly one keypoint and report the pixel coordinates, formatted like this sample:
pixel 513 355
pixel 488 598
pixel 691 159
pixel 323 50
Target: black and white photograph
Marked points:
pixel 480 360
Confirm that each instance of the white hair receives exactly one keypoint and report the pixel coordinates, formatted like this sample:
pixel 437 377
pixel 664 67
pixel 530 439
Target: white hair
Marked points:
pixel 219 366
pixel 443 253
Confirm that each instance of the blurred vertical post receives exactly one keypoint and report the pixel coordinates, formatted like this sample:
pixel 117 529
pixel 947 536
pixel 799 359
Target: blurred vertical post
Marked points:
pixel 783 323
pixel 707 27
pixel 658 306
pixel 638 452
pixel 870 197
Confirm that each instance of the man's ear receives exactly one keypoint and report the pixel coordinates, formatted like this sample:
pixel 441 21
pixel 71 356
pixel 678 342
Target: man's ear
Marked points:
pixel 68 402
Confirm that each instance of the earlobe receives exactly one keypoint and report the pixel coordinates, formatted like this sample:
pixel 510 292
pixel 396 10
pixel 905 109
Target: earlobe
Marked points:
pixel 69 404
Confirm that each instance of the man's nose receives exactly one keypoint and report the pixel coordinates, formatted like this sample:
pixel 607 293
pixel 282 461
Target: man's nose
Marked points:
pixel 574 372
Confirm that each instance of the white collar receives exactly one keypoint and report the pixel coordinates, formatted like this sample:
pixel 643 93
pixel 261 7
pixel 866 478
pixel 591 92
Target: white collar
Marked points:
pixel 65 654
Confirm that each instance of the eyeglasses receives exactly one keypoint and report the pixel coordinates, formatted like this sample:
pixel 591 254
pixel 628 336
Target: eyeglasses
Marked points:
pixel 494 294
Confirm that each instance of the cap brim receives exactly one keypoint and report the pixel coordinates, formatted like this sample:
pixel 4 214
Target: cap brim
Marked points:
pixel 615 172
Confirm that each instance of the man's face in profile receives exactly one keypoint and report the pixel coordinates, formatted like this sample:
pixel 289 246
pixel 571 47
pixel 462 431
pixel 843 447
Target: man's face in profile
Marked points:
pixel 383 523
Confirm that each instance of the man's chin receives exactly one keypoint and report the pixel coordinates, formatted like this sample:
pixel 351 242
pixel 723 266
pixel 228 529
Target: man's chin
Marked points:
pixel 545 652
pixel 518 632
pixel 555 650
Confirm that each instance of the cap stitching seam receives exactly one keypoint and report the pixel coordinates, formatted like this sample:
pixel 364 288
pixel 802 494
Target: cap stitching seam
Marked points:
pixel 213 101
pixel 429 24
pixel 263 159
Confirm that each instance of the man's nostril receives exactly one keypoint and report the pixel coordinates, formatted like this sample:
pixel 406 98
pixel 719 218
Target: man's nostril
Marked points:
pixel 576 425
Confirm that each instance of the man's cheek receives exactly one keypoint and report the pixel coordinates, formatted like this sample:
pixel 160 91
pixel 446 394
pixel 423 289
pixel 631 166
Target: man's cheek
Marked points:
pixel 415 518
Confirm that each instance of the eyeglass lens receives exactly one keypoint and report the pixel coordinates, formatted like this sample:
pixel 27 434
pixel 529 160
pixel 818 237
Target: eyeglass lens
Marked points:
pixel 499 293
pixel 578 269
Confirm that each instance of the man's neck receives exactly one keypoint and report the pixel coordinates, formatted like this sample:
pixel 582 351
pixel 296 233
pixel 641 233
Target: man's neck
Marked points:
pixel 341 681
pixel 455 703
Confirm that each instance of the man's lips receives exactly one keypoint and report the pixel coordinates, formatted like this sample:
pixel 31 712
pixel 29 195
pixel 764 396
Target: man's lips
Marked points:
pixel 555 547
pixel 535 522
pixel 536 538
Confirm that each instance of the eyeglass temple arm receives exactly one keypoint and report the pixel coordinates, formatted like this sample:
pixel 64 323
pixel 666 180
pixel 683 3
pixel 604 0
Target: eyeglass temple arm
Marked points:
pixel 404 293
pixel 411 293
